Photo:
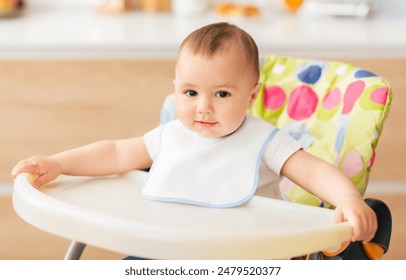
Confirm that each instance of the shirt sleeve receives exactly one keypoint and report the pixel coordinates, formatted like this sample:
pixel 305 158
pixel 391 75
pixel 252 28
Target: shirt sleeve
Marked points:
pixel 152 140
pixel 281 147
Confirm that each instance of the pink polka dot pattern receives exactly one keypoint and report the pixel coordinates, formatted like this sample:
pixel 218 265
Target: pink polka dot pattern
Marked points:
pixel 302 103
pixel 379 95
pixel 332 99
pixel 352 93
pixel 372 160
pixel 274 97
pixel 352 164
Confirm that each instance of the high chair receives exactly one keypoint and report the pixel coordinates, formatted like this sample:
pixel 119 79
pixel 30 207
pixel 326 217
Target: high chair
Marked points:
pixel 335 110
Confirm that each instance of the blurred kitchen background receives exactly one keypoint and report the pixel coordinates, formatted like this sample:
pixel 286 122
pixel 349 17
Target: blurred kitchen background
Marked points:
pixel 77 71
pixel 153 28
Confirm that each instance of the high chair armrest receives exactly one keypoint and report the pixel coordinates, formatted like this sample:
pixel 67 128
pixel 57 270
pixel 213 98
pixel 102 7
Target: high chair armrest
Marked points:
pixel 377 247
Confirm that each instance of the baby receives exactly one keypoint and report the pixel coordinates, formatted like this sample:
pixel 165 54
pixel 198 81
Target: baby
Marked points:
pixel 214 154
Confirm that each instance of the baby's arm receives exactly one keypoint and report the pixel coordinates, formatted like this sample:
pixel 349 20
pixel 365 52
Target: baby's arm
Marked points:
pixel 331 185
pixel 97 159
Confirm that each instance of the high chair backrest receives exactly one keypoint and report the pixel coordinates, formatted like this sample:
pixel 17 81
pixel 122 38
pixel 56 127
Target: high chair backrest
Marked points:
pixel 334 109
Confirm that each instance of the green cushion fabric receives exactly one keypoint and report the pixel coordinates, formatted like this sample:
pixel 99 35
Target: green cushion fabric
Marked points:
pixel 334 109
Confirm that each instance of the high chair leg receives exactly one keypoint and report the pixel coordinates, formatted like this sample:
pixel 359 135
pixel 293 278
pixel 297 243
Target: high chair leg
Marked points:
pixel 75 250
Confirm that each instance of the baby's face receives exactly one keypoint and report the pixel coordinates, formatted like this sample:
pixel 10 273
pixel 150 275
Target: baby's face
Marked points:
pixel 213 94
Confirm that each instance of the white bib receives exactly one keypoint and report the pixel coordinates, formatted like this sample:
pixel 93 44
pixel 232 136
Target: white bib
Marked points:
pixel 212 172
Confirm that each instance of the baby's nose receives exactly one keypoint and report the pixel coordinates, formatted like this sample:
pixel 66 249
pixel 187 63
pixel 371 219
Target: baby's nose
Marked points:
pixel 205 106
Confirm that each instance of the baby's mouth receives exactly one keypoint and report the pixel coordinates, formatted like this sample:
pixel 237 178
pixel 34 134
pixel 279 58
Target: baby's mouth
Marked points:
pixel 205 124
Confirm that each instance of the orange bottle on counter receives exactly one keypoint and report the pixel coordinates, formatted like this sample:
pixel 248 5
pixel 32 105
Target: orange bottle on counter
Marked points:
pixel 292 5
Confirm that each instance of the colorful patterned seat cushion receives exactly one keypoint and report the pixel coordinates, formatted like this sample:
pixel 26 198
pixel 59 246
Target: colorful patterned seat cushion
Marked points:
pixel 334 109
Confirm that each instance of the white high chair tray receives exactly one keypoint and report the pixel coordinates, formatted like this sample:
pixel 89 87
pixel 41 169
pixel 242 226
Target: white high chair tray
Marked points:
pixel 108 212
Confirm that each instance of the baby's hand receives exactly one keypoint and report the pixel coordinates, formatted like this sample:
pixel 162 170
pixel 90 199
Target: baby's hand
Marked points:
pixel 45 168
pixel 360 216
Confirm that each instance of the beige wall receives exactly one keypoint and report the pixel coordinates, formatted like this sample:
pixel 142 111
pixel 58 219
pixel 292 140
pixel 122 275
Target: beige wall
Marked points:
pixel 48 106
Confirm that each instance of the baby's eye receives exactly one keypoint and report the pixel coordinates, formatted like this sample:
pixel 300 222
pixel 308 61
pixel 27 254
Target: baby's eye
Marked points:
pixel 191 93
pixel 222 94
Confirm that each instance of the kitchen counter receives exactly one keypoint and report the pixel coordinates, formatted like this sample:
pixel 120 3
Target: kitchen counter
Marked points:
pixel 52 29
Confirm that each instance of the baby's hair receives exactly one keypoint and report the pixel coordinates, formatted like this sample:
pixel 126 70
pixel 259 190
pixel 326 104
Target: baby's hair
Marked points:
pixel 213 38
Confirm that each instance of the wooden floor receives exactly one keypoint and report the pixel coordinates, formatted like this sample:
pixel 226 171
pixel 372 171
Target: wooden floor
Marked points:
pixel 49 106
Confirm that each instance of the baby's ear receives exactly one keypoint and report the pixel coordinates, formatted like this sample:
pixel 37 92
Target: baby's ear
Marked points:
pixel 254 93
